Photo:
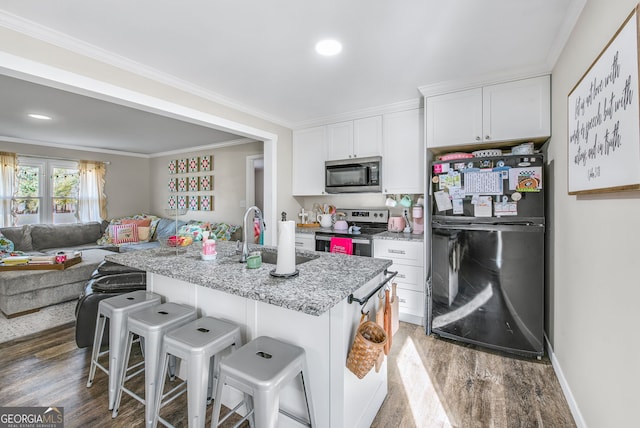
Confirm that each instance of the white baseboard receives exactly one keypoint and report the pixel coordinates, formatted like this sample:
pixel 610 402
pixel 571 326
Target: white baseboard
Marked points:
pixel 573 406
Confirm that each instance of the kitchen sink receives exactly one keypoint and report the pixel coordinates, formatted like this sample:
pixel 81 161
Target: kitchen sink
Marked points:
pixel 271 257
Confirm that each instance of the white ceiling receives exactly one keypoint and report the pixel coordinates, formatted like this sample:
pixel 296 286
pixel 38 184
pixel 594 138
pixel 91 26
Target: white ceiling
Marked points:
pixel 258 56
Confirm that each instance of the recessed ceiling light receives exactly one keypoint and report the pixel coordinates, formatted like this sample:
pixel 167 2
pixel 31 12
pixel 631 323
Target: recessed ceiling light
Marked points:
pixel 328 47
pixel 39 116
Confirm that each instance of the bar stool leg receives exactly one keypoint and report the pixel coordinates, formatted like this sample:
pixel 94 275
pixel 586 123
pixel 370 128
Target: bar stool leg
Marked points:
pixel 97 340
pixel 305 388
pixel 151 366
pixel 266 408
pixel 123 375
pixel 116 343
pixel 197 380
pixel 162 375
pixel 217 403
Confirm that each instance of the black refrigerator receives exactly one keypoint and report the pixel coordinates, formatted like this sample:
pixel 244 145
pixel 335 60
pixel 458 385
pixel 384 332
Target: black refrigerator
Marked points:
pixel 486 282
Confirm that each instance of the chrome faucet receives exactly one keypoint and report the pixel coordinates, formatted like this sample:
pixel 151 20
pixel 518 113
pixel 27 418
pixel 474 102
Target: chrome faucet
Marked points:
pixel 245 232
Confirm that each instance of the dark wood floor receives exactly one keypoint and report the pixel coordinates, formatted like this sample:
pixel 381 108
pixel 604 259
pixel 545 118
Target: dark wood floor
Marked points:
pixel 439 383
pixel 432 383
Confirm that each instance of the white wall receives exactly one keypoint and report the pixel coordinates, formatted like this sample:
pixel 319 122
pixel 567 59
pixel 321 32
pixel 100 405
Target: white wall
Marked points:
pixel 127 180
pixel 229 164
pixel 594 283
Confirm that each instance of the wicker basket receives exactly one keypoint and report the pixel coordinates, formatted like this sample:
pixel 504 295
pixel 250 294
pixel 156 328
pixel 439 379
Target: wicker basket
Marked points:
pixel 367 345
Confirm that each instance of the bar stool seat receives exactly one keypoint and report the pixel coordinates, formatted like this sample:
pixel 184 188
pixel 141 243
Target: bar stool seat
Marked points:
pixel 196 344
pixel 116 309
pixel 260 369
pixel 151 325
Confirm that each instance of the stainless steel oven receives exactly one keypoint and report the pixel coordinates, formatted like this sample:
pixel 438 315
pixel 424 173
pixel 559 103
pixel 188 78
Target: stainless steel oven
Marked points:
pixel 353 175
pixel 370 222
pixel 361 246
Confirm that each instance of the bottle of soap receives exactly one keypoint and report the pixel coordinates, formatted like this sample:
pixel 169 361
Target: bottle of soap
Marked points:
pixel 209 249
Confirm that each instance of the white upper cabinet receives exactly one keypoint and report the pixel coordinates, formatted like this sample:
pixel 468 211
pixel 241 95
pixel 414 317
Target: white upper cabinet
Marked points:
pixel 454 119
pixel 404 155
pixel 355 138
pixel 516 110
pixel 510 111
pixel 309 148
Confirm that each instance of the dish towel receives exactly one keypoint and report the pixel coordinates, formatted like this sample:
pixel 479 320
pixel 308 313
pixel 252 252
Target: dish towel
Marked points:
pixel 341 245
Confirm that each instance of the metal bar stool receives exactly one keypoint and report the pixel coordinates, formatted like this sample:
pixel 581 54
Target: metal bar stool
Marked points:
pixel 151 325
pixel 116 309
pixel 196 344
pixel 261 368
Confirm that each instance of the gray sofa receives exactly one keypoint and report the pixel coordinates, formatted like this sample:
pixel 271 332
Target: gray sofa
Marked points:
pixel 25 291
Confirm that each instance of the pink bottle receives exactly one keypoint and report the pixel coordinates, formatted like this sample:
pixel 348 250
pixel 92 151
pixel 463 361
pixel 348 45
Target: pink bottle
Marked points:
pixel 209 249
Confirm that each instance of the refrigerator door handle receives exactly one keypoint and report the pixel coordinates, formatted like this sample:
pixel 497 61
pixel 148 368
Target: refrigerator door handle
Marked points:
pixel 502 227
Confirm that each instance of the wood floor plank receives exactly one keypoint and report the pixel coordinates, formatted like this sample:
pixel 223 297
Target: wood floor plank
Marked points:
pixel 433 383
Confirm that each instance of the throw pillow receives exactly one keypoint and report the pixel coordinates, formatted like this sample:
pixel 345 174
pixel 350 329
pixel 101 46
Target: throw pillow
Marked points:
pixel 223 231
pixel 143 233
pixel 192 230
pixel 144 227
pixel 6 246
pixel 144 222
pixel 124 233
pixel 139 219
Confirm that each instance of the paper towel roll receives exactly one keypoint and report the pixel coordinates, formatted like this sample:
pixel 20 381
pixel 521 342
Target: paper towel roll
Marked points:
pixel 286 261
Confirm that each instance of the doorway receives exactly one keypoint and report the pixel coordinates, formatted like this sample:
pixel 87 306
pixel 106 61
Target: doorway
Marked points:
pixel 255 181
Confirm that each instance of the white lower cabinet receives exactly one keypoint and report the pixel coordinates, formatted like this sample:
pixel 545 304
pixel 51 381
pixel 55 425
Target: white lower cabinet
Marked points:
pixel 408 261
pixel 306 241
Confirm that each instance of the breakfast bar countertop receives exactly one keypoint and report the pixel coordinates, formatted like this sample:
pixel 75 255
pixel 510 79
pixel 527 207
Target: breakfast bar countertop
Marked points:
pixel 321 283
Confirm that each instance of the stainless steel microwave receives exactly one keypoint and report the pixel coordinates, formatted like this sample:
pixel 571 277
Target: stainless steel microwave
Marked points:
pixel 353 175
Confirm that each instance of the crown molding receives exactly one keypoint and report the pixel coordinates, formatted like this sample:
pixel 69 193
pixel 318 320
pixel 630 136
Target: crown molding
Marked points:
pixel 204 147
pixel 482 80
pixel 64 41
pixel 570 19
pixel 236 142
pixel 72 147
pixel 359 114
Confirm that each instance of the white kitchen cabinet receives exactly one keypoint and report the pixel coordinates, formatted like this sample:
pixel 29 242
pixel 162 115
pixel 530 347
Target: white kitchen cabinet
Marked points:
pixel 516 110
pixel 355 138
pixel 511 111
pixel 408 261
pixel 306 241
pixel 309 149
pixel 403 152
pixel 454 119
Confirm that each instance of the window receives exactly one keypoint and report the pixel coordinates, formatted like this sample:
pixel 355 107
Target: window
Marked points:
pixel 47 191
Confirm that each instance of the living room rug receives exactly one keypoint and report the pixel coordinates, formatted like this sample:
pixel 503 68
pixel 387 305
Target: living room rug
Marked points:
pixel 46 318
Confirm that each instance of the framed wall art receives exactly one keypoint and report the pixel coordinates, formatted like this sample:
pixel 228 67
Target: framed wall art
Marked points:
pixel 194 165
pixel 603 119
pixel 172 185
pixel 194 183
pixel 193 175
pixel 206 163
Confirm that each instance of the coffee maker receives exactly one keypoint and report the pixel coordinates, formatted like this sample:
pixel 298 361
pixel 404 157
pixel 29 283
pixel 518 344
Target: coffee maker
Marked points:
pixel 418 219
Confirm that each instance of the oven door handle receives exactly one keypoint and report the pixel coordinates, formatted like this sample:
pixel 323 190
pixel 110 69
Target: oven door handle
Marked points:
pixel 355 241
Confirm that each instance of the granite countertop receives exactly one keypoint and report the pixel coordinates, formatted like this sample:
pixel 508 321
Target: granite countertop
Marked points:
pixel 321 284
pixel 400 236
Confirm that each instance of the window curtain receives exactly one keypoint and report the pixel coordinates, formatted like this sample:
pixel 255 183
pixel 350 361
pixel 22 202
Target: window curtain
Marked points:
pixel 92 201
pixel 8 180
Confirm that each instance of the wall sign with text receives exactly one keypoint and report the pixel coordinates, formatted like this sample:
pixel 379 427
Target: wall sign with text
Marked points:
pixel 604 119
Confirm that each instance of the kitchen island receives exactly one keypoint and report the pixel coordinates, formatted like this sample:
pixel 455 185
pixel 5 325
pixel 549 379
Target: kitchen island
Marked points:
pixel 310 310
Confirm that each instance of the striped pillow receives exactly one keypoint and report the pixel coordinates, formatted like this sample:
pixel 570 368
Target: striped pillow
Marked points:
pixel 123 233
